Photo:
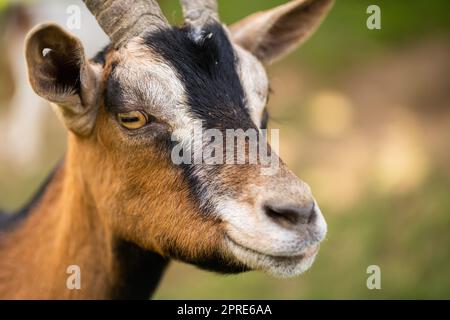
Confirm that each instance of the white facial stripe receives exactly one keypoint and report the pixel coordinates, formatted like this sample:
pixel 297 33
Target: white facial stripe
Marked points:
pixel 255 83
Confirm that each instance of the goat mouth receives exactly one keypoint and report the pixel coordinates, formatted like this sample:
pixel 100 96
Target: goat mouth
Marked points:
pixel 277 265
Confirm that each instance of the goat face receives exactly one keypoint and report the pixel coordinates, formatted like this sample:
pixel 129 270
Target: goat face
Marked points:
pixel 128 108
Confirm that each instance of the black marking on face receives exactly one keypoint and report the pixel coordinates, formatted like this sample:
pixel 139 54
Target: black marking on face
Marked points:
pixel 199 188
pixel 114 95
pixel 206 63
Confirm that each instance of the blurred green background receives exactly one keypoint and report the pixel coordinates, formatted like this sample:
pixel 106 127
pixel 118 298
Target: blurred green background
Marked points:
pixel 364 119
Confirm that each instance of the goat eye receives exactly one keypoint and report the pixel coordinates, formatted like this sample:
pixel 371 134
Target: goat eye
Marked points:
pixel 133 119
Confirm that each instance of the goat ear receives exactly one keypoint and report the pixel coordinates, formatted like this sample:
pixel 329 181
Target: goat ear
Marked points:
pixel 272 34
pixel 59 72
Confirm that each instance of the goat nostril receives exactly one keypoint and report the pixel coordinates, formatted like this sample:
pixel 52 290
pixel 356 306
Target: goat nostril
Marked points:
pixel 288 216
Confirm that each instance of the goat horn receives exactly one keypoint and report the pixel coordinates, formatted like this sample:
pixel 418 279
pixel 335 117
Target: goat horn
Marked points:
pixel 200 12
pixel 123 19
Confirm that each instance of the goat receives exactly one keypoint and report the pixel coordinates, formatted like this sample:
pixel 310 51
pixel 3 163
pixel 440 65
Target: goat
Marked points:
pixel 117 206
